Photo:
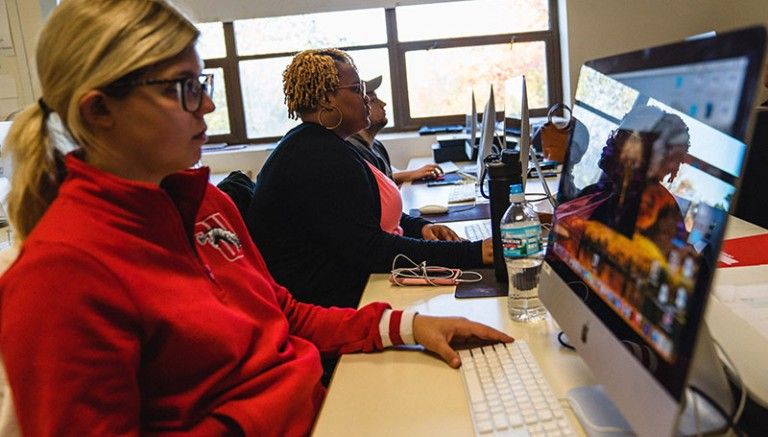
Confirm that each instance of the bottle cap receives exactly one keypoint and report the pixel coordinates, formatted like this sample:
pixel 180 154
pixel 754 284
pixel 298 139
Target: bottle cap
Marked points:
pixel 516 193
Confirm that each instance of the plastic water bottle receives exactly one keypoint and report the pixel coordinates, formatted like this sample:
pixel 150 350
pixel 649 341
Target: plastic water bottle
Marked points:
pixel 521 241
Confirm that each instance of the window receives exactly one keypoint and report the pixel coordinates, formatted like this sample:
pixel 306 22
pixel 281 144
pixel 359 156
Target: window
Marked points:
pixel 431 57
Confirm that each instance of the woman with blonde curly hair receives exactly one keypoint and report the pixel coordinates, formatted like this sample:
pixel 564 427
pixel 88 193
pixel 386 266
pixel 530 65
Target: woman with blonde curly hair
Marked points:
pixel 138 305
pixel 323 216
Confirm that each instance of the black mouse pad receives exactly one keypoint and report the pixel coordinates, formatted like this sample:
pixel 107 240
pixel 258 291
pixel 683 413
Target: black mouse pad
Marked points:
pixel 457 213
pixel 487 287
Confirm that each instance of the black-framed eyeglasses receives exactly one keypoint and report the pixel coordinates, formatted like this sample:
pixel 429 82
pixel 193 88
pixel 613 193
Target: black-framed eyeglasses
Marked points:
pixel 358 88
pixel 188 89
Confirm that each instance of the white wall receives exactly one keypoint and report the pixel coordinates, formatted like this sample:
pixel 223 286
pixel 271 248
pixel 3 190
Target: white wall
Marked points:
pixel 403 146
pixel 249 160
pixel 227 10
pixel 24 18
pixel 598 28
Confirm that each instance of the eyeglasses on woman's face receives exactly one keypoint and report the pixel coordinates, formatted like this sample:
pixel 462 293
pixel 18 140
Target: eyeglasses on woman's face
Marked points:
pixel 189 90
pixel 358 87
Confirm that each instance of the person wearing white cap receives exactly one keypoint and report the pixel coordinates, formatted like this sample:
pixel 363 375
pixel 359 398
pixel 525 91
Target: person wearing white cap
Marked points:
pixel 373 150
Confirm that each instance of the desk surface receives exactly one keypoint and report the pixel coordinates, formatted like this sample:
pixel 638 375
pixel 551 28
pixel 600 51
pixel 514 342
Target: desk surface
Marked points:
pixel 417 195
pixel 746 346
pixel 415 393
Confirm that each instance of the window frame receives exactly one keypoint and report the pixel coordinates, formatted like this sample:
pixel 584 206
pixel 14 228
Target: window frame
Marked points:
pixel 398 73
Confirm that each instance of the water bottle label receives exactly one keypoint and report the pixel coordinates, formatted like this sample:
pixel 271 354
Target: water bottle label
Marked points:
pixel 521 242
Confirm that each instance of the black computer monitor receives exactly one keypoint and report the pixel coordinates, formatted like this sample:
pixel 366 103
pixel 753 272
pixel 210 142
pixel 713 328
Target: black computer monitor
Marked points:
pixel 631 258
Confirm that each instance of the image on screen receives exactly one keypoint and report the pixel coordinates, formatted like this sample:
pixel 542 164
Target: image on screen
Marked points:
pixel 707 91
pixel 656 185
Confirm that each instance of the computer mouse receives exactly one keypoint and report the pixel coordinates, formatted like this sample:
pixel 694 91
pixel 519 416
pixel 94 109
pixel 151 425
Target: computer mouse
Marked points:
pixel 433 209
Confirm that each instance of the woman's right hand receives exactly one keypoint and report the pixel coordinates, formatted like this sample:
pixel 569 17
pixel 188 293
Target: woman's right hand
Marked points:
pixel 488 251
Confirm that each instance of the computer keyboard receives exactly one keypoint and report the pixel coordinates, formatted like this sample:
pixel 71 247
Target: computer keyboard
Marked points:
pixel 478 231
pixel 461 193
pixel 508 395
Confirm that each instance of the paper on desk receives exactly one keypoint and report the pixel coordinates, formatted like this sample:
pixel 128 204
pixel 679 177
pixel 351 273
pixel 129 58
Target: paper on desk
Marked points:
pixel 749 301
pixel 744 251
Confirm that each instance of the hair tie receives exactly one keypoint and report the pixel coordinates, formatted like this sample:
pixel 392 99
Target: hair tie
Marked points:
pixel 44 107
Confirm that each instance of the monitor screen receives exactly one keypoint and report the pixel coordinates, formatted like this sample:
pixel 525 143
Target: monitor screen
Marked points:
pixel 632 255
pixel 711 78
pixel 708 91
pixel 643 233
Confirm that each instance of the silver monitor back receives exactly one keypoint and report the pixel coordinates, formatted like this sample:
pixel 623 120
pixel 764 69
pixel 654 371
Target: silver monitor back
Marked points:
pixel 488 129
pixel 516 108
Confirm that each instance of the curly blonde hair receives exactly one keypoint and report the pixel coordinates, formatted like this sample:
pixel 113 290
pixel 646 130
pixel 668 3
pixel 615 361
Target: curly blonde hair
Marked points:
pixel 311 75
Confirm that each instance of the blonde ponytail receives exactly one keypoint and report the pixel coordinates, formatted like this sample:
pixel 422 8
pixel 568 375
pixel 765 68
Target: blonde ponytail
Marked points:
pixel 35 178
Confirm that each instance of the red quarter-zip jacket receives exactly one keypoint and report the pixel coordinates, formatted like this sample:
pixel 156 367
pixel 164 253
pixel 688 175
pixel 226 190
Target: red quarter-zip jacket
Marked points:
pixel 137 309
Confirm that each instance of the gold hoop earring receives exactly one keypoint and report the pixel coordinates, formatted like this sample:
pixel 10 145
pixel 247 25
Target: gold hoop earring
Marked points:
pixel 320 119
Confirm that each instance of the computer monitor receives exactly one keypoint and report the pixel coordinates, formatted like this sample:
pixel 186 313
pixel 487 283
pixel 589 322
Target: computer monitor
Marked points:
pixel 631 259
pixel 487 132
pixel 516 110
pixel 473 123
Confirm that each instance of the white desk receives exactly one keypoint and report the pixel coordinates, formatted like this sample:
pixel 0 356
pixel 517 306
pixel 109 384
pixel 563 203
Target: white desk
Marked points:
pixel 408 393
pixel 416 195
pixel 747 347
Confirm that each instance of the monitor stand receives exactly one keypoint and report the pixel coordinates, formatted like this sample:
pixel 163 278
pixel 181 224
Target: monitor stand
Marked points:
pixel 599 417
pixel 550 197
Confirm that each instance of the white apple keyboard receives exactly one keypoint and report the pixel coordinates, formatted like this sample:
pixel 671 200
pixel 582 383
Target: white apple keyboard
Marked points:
pixel 508 395
pixel 478 231
pixel 462 193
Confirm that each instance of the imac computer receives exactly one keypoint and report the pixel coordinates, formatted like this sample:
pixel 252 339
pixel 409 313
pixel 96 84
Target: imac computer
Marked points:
pixel 516 109
pixel 470 146
pixel 487 134
pixel 631 258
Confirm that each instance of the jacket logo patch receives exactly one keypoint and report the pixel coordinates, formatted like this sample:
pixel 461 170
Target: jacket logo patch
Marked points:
pixel 215 231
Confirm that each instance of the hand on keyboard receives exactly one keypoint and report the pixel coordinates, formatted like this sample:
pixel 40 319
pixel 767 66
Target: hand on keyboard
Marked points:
pixel 439 232
pixel 435 334
pixel 478 231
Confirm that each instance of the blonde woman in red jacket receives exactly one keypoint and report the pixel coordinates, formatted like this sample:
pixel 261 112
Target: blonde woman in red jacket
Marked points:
pixel 138 303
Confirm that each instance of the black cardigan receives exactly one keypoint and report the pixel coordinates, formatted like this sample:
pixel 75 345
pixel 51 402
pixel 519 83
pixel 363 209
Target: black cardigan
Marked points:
pixel 315 216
